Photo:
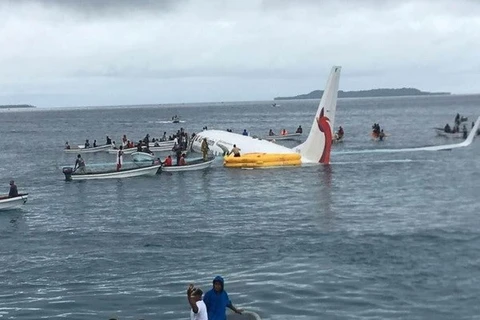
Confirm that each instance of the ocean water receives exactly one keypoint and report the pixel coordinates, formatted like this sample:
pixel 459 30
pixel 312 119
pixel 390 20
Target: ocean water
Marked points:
pixel 371 236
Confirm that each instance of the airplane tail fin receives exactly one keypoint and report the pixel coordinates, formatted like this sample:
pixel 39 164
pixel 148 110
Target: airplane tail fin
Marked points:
pixel 318 145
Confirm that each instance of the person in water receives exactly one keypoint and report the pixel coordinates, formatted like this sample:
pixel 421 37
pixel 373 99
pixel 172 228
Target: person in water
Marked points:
pixel 299 130
pixel 235 151
pixel 381 136
pixel 13 190
pixel 217 301
pixel 199 309
pixel 340 132
pixel 205 149
pixel 79 165
pixel 245 133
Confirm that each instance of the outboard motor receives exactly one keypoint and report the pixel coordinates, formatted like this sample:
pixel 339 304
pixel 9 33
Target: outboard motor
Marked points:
pixel 67 171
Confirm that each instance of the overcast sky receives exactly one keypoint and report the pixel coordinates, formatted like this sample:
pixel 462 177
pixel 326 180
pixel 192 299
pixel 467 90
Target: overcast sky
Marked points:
pixel 110 52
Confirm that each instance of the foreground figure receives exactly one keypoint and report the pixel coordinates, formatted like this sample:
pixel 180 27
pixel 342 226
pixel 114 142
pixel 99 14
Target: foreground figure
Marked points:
pixel 217 301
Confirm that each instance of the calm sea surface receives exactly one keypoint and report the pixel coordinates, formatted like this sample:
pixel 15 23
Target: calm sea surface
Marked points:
pixel 372 236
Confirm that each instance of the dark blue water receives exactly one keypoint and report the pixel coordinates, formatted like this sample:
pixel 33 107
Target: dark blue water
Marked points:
pixel 372 236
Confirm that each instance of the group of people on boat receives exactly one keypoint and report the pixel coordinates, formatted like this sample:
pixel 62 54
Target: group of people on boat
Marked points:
pixel 377 132
pixel 284 131
pixel 456 127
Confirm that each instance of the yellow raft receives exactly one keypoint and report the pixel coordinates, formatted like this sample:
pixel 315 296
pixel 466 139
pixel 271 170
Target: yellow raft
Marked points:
pixel 257 160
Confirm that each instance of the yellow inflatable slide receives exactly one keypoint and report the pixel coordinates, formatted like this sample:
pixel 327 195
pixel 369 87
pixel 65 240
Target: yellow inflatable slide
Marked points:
pixel 258 160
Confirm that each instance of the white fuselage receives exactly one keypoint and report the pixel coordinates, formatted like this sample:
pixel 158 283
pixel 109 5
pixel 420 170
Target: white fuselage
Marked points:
pixel 220 141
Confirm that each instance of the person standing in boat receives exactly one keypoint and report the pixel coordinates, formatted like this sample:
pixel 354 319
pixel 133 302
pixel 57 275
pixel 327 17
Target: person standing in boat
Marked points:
pixel 119 158
pixel 13 190
pixel 67 146
pixel 199 309
pixel 217 301
pixel 79 165
pixel 94 143
pixel 109 141
pixel 205 149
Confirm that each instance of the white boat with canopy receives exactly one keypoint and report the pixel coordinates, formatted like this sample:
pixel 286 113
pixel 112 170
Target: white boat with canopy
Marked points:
pixel 7 203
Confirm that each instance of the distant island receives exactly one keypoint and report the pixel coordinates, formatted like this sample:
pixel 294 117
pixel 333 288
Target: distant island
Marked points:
pixel 317 94
pixel 16 106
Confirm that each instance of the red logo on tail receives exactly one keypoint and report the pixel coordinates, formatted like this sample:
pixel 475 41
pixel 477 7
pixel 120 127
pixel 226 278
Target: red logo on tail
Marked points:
pixel 324 126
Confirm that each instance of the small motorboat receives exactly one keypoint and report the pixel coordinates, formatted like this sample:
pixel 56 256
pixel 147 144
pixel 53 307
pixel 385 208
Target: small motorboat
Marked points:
pixel 192 165
pixel 246 315
pixel 81 149
pixel 143 157
pixel 457 135
pixel 289 136
pixel 168 143
pixel 134 170
pixel 7 203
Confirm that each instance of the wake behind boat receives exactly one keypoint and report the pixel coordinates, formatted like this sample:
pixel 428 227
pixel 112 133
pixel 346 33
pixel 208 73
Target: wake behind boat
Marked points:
pixel 7 203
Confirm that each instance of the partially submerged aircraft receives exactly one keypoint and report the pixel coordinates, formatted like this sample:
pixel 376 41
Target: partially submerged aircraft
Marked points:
pixel 262 153
pixel 317 147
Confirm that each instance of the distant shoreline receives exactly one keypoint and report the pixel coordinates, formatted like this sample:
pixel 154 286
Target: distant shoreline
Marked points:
pixel 383 92
pixel 16 106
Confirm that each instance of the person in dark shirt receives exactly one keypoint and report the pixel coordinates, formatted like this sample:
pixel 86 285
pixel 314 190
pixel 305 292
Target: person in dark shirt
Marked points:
pixel 13 190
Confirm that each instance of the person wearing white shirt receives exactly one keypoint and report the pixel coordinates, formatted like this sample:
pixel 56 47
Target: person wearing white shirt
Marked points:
pixel 198 308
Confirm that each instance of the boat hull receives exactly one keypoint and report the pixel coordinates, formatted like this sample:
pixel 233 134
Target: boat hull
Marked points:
pixel 192 166
pixel 142 157
pixel 144 171
pixel 88 150
pixel 456 135
pixel 7 203
pixel 291 136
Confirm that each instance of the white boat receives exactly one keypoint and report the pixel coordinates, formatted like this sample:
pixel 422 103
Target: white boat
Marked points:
pixel 192 165
pixel 246 315
pixel 289 136
pixel 125 151
pixel 150 170
pixel 457 135
pixel 7 203
pixel 88 150
pixel 142 157
pixel 168 143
